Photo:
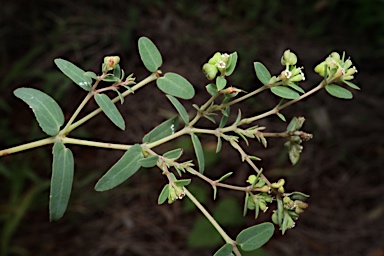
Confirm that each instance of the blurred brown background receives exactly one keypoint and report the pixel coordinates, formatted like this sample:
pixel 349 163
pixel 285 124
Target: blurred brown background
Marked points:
pixel 341 167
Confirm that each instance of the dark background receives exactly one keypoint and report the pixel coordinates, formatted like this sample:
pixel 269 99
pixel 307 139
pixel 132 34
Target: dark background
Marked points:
pixel 341 167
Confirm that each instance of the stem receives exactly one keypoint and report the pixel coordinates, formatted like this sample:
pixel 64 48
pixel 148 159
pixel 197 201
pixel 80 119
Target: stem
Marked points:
pixel 27 146
pixel 209 217
pixel 95 144
pixel 147 80
pixel 183 131
pixel 246 96
pixel 202 109
pixel 276 109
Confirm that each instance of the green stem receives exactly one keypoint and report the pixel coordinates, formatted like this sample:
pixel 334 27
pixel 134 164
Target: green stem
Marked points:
pixel 147 80
pixel 95 144
pixel 183 131
pixel 209 217
pixel 276 109
pixel 202 109
pixel 246 96
pixel 27 146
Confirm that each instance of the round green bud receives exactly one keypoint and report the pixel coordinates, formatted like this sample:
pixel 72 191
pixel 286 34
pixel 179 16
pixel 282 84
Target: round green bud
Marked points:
pixel 110 62
pixel 335 56
pixel 286 199
pixel 288 58
pixel 251 179
pixel 320 68
pixel 210 71
pixel 275 218
pixel 215 59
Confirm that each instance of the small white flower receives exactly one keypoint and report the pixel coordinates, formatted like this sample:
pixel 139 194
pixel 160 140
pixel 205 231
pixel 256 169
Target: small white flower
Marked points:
pixel 287 74
pixel 355 69
pixel 221 64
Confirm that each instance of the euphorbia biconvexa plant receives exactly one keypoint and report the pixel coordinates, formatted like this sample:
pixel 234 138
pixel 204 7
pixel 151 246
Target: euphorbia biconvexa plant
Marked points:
pixel 259 191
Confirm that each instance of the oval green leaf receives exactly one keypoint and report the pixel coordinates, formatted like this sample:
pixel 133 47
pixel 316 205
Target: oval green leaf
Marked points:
pixel 225 250
pixel 180 108
pixel 163 130
pixel 163 194
pixel 254 237
pixel 338 91
pixel 47 112
pixel 199 152
pixel 174 154
pixel 149 54
pixel 352 85
pixel 110 110
pixel 75 73
pixel 284 92
pixel 221 82
pixel 231 65
pixel 262 73
pixel 128 165
pixel 149 162
pixel 61 181
pixel 176 85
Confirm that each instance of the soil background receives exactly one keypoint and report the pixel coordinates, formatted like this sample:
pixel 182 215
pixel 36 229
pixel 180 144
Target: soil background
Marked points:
pixel 341 168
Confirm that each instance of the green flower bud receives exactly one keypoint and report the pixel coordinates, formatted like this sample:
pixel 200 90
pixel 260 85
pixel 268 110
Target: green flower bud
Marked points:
pixel 320 69
pixel 110 62
pixel 263 206
pixel 265 189
pixel 286 199
pixel 335 56
pixel 251 203
pixel 298 210
pixel 210 71
pixel 281 182
pixel 301 204
pixel 251 179
pixel 281 189
pixel 215 59
pixel 288 58
pixel 272 80
pixel 275 218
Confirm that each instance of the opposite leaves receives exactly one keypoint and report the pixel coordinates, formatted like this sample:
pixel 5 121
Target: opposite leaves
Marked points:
pixel 61 181
pixel 47 112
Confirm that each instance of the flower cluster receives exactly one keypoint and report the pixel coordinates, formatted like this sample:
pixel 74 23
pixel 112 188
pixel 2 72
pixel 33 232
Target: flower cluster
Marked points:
pixel 335 68
pixel 291 73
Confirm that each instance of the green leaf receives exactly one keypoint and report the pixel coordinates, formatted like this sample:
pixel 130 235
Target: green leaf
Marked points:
pixel 224 177
pixel 111 78
pixel 110 110
pixel 338 91
pixel 176 85
pixel 224 118
pixel 61 181
pixel 163 130
pixel 47 112
pixel 75 73
pixel 225 250
pixel 262 73
pixel 174 154
pixel 91 74
pixel 117 71
pixel 296 87
pixel 124 168
pixel 254 237
pixel 149 54
pixel 281 116
pixel 149 162
pixel 221 82
pixel 163 195
pixel 231 65
pixel 285 92
pixel 198 151
pixel 245 210
pixel 352 85
pixel 180 108
pixel 212 89
pixel 182 183
pixel 219 143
